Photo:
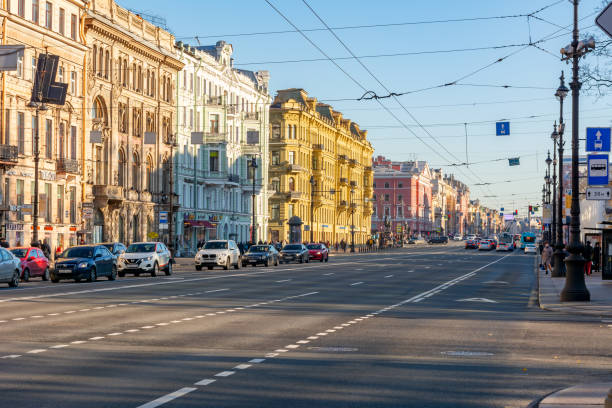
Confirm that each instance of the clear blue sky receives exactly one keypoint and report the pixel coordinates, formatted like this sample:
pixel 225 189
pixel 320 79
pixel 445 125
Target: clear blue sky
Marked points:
pixel 530 137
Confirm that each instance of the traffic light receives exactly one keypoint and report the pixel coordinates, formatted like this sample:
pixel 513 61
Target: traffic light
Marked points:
pixel 530 209
pixel 515 212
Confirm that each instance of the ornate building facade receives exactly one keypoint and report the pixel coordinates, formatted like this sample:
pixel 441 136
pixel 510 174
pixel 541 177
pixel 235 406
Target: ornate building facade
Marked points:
pixel 56 28
pixel 226 110
pixel 128 137
pixel 320 171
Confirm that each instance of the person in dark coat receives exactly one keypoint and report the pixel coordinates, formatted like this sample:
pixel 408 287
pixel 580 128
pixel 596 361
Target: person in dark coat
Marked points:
pixel 596 256
pixel 4 243
pixel 587 254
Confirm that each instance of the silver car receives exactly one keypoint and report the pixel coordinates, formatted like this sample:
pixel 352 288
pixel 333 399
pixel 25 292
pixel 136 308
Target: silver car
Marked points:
pixel 10 268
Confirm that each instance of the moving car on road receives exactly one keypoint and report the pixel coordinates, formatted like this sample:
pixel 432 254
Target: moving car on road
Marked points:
pixel 472 243
pixel 530 249
pixel 438 240
pixel 85 262
pixel 294 253
pixel 318 252
pixel 261 254
pixel 485 245
pixel 33 263
pixel 505 246
pixel 224 253
pixel 458 237
pixel 146 257
pixel 10 268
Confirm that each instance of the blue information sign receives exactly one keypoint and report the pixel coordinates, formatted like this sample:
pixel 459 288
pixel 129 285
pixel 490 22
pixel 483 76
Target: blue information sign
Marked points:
pixel 598 139
pixel 597 165
pixel 502 129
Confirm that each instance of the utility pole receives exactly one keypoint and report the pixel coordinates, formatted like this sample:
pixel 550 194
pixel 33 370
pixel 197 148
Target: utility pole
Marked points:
pixel 312 194
pixel 172 141
pixel 559 254
pixel 352 223
pixel 254 227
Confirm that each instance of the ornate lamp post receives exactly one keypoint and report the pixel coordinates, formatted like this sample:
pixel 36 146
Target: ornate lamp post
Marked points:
pixel 253 164
pixel 40 107
pixel 553 225
pixel 559 255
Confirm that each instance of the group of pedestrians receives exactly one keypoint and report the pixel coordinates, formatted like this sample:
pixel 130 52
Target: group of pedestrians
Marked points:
pixel 591 255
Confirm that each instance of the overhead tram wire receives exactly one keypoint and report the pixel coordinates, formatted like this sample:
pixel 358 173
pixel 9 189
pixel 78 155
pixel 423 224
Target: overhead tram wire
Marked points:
pixel 408 23
pixel 352 78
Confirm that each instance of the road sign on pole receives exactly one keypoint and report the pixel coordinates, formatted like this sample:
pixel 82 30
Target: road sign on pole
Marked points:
pixel 604 20
pixel 598 139
pixel 502 129
pixel 598 193
pixel 597 165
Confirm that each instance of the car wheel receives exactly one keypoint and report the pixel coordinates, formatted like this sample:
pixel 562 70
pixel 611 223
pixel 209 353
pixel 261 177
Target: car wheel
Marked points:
pixel 45 276
pixel 198 267
pixel 14 280
pixel 169 269
pixel 327 258
pixel 26 275
pixel 227 264
pixel 92 275
pixel 238 264
pixel 113 274
pixel 155 269
pixel 301 259
pixel 54 279
pixel 77 280
pixel 308 259
pixel 267 264
pixel 276 262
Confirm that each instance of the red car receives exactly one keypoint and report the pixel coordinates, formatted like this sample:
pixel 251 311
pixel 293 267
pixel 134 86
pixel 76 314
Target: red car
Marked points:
pixel 318 251
pixel 33 263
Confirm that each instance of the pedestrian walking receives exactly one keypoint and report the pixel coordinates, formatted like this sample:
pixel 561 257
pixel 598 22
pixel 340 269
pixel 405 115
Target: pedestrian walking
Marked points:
pixel 46 249
pixel 596 256
pixel 547 257
pixel 540 248
pixel 587 254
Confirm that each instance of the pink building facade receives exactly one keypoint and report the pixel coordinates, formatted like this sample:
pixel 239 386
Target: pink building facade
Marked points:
pixel 403 198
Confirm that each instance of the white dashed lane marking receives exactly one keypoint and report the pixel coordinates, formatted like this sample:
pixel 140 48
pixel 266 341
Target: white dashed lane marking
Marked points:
pixel 168 397
pixel 356 283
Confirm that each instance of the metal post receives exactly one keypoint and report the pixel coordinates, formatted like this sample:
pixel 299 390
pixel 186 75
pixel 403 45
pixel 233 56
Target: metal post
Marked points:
pixel 312 193
pixel 575 288
pixel 253 232
pixel 352 223
pixel 171 199
pixel 553 226
pixel 36 161
pixel 559 255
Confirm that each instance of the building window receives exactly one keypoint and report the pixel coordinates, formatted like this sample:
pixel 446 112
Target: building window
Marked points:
pixel 98 159
pixel 48 139
pixel 275 185
pixel 400 212
pixel 62 21
pixel 374 184
pixel 20 132
pixel 290 210
pixel 73 142
pixel 214 123
pixel 60 74
pixel 386 185
pixel 291 157
pixel 387 212
pixel 33 68
pixel 150 182
pixel 275 211
pixel 61 140
pixel 49 16
pixel 73 26
pixel 291 184
pixel 399 198
pixel 60 204
pixel 135 170
pixel 121 171
pixel 48 202
pixel 20 198
pixel 73 205
pixel 35 11
pixel 35 147
pixel 73 88
pixel 214 160
pixel 19 67
pixel 400 184
pixel 21 8
pixel 386 197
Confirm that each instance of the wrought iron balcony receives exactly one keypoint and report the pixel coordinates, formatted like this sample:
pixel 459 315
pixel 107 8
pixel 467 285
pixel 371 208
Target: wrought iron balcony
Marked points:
pixel 8 154
pixel 295 168
pixel 294 195
pixel 63 166
pixel 318 147
pixel 215 137
pixel 233 178
pixel 343 203
pixel 214 101
pixel 343 180
pixel 342 158
pixel 251 115
pixel 352 162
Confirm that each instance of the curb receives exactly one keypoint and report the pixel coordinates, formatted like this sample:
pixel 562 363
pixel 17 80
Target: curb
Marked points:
pixel 536 403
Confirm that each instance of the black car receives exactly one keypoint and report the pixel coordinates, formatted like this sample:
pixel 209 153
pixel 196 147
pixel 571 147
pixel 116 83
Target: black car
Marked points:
pixel 294 253
pixel 438 240
pixel 116 248
pixel 261 254
pixel 85 262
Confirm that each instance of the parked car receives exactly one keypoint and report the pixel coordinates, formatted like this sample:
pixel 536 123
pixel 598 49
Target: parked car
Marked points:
pixel 505 246
pixel 318 252
pixel 294 253
pixel 116 248
pixel 530 249
pixel 85 262
pixel 472 243
pixel 471 236
pixel 438 240
pixel 10 268
pixel 417 240
pixel 485 245
pixel 261 254
pixel 33 263
pixel 145 257
pixel 224 253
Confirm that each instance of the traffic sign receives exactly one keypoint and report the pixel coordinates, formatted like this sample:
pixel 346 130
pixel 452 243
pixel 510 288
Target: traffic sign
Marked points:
pixel 598 139
pixel 597 165
pixel 598 193
pixel 163 217
pixel 604 20
pixel 502 129
pixel 515 161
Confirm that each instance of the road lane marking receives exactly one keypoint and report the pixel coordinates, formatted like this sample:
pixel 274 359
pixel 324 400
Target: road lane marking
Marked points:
pixel 168 397
pixel 284 280
pixel 59 346
pixel 114 334
pixel 257 360
pixel 78 342
pixel 389 276
pixel 225 373
pixel 11 356
pixel 356 283
pixel 206 381
pixel 96 338
pixel 242 366
pixel 216 290
pixel 36 351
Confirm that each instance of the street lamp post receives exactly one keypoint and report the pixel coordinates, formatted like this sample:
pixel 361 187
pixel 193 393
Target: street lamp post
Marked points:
pixel 559 255
pixel 548 182
pixel 172 143
pixel 253 165
pixel 553 225
pixel 575 288
pixel 312 194
pixel 352 223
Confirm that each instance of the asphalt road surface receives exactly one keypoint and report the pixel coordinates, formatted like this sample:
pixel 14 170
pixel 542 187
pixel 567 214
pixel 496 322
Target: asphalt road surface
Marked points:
pixel 427 326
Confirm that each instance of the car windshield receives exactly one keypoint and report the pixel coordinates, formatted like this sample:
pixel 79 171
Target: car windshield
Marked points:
pixel 258 248
pixel 109 247
pixel 140 248
pixel 78 252
pixel 19 252
pixel 216 245
pixel 292 248
pixel 314 246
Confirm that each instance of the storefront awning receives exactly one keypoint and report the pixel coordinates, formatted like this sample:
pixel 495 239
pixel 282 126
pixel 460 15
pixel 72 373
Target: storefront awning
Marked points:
pixel 199 223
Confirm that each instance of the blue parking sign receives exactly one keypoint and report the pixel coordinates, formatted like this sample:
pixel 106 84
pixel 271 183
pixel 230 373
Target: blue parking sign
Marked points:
pixel 502 129
pixel 598 139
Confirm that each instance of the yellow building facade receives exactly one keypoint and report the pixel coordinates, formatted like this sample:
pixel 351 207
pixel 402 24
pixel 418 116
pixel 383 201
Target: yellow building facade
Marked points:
pixel 320 171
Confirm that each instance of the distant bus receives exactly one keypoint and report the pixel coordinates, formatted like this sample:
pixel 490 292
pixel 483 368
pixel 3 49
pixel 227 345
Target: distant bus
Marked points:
pixel 505 238
pixel 527 238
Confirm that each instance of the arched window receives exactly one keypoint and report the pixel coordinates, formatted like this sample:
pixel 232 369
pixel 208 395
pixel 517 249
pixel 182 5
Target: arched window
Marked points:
pixel 101 62
pixel 134 76
pixel 148 83
pixel 386 185
pixel 94 56
pixel 291 184
pixel 153 83
pixel 149 170
pixel 107 67
pixel 139 79
pixel 98 111
pixel 135 228
pixel 122 168
pixel 121 228
pixel 126 74
pixel 120 72
pixel 135 170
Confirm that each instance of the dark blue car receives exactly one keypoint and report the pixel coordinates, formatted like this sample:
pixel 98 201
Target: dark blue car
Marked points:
pixel 86 262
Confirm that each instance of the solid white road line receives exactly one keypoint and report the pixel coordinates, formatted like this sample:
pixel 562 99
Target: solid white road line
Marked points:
pixel 168 398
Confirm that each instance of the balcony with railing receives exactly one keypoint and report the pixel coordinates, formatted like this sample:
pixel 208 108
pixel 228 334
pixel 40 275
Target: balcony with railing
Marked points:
pixel 108 194
pixel 215 137
pixel 342 158
pixel 343 180
pixel 318 147
pixel 213 101
pixel 353 184
pixel 294 195
pixel 352 162
pixel 251 115
pixel 8 154
pixel 367 169
pixel 233 178
pixel 232 110
pixel 64 166
pixel 343 204
pixel 250 148
pixel 295 168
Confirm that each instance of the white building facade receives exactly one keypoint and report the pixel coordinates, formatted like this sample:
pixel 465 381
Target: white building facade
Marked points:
pixel 222 123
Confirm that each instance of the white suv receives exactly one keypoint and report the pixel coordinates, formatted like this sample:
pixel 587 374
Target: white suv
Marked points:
pixel 145 257
pixel 223 253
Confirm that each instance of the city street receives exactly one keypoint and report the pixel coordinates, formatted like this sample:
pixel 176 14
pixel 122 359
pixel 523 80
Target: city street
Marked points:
pixel 426 326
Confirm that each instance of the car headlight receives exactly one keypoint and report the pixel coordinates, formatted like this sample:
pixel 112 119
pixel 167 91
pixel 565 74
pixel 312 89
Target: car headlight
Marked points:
pixel 83 265
pixel 318 252
pixel 148 258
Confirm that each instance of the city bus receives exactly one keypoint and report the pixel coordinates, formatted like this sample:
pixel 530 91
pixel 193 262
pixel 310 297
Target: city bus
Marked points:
pixel 528 238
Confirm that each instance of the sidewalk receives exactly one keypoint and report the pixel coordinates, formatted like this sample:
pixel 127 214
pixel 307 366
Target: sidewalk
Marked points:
pixel 590 395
